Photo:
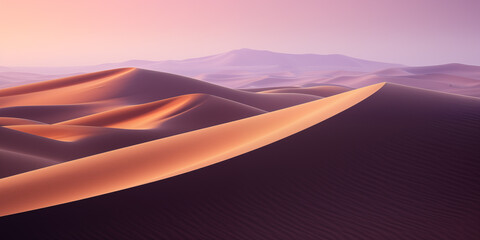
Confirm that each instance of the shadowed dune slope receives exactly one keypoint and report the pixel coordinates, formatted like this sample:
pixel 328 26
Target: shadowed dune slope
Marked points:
pixel 61 132
pixel 119 87
pixel 7 121
pixel 155 160
pixel 120 127
pixel 401 164
pixel 51 113
pixel 155 114
pixel 14 163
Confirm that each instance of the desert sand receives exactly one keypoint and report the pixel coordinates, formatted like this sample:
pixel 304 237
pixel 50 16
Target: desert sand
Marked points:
pixel 137 154
pixel 106 110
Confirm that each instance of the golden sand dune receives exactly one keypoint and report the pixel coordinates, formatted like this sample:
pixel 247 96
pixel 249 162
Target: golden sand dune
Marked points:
pixel 86 88
pixel 121 127
pixel 169 116
pixel 128 86
pixel 60 132
pixel 152 115
pixel 142 155
pixel 53 113
pixel 82 115
pixel 152 161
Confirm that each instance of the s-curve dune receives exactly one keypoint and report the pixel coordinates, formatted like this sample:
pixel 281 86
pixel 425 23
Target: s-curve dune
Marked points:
pixel 116 170
pixel 83 115
pixel 128 86
pixel 204 162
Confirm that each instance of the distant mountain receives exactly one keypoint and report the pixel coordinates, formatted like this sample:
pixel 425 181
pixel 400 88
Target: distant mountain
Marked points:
pixel 243 60
pixel 254 69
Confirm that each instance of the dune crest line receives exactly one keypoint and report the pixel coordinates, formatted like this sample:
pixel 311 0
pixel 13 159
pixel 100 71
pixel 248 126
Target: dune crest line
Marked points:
pixel 152 161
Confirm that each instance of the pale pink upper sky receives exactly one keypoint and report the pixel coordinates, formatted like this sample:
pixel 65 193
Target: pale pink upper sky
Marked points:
pixel 60 32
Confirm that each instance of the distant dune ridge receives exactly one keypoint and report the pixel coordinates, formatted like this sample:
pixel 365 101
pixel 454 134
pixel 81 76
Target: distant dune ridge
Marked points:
pixel 130 153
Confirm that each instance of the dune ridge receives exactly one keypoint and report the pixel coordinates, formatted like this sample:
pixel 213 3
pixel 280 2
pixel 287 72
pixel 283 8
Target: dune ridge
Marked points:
pixel 137 154
pixel 150 115
pixel 365 173
pixel 90 135
pixel 8 121
pixel 78 116
pixel 162 118
pixel 119 87
pixel 163 158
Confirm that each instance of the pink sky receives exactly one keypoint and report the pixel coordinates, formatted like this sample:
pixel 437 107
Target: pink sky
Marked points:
pixel 59 33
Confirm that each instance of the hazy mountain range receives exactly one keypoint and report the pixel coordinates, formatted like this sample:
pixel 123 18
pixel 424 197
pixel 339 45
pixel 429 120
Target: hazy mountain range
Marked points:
pixel 258 69
pixel 244 62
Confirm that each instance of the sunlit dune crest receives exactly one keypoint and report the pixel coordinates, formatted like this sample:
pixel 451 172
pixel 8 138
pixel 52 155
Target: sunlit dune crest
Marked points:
pixel 115 170
pixel 167 156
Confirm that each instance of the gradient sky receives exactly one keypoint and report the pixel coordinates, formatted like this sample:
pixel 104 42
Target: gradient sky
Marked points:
pixel 60 33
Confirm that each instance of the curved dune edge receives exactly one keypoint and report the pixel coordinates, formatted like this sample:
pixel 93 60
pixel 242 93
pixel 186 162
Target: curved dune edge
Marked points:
pixel 64 133
pixel 65 82
pixel 152 161
pixel 142 116
pixel 12 121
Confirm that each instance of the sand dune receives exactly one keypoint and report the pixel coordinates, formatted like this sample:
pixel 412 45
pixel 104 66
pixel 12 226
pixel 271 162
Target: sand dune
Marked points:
pixel 154 114
pixel 52 113
pixel 11 79
pixel 364 172
pixel 6 121
pixel 131 154
pixel 103 111
pixel 163 118
pixel 85 128
pixel 28 144
pixel 125 126
pixel 12 163
pixel 115 170
pixel 125 99
pixel 367 172
pixel 60 133
pixel 119 87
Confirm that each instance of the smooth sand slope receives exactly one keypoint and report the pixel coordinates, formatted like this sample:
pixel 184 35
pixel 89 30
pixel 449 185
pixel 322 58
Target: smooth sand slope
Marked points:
pixel 117 128
pixel 401 164
pixel 78 116
pixel 158 113
pixel 7 121
pixel 119 87
pixel 116 170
